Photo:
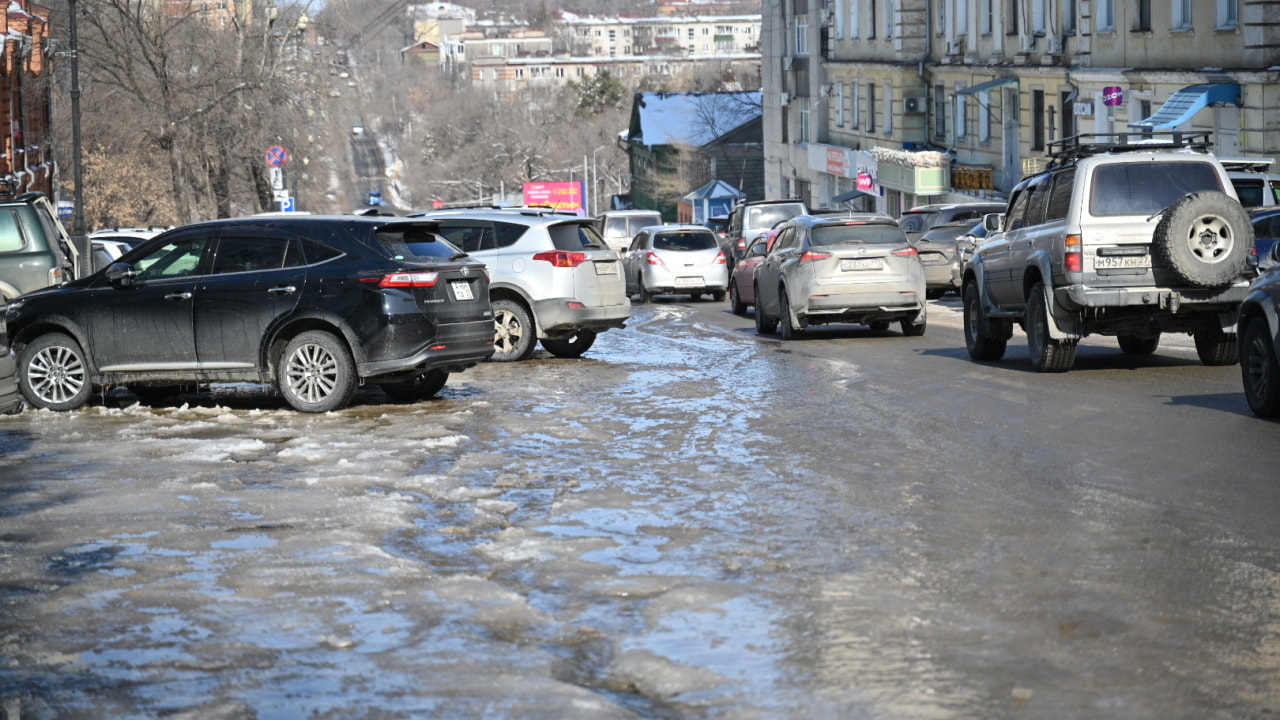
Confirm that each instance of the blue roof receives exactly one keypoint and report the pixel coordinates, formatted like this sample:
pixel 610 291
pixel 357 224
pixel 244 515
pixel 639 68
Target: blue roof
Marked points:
pixel 1182 105
pixel 692 118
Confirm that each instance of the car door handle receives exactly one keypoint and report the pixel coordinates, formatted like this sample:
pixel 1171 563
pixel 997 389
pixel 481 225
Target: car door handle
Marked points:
pixel 178 296
pixel 286 290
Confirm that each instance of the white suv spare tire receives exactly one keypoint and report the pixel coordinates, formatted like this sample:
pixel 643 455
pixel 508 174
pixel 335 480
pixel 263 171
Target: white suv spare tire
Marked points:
pixel 1204 238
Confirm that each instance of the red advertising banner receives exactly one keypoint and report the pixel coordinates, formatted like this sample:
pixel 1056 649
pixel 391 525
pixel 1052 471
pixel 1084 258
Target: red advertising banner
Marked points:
pixel 557 195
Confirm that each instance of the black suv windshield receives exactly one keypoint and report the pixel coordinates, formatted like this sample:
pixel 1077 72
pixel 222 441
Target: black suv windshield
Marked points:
pixel 859 234
pixel 1147 188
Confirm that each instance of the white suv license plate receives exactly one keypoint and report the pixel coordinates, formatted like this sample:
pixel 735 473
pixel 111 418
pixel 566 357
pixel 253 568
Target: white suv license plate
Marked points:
pixel 861 264
pixel 606 268
pixel 1113 262
pixel 462 290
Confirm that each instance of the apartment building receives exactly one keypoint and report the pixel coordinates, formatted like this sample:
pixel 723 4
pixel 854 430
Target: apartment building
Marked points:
pixel 26 148
pixel 677 35
pixel 905 101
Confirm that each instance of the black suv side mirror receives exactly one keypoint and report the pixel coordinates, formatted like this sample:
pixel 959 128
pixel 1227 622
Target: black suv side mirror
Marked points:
pixel 121 274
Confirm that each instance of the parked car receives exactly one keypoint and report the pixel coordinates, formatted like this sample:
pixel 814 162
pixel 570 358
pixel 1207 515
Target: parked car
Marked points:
pixel 1127 235
pixel 676 259
pixel 552 278
pixel 1260 343
pixel 10 398
pixel 920 219
pixel 35 250
pixel 1266 230
pixel 373 198
pixel 720 226
pixel 965 245
pixel 316 305
pixel 857 269
pixel 619 227
pixel 749 219
pixel 1255 186
pixel 742 289
pixel 110 244
pixel 937 249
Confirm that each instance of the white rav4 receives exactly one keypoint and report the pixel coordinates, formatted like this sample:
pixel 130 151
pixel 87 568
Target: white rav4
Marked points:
pixel 1132 236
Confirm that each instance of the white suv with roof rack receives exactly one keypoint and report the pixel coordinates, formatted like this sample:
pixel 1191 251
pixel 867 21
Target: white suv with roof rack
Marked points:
pixel 1255 186
pixel 1128 235
pixel 552 278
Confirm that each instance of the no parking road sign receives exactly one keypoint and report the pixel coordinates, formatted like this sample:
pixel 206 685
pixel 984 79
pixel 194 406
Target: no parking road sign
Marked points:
pixel 277 156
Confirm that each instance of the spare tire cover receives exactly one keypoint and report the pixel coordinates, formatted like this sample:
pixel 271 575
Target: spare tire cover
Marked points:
pixel 1204 238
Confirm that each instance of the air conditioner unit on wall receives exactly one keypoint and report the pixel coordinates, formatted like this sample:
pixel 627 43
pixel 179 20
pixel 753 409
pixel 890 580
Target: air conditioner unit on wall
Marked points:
pixel 1057 43
pixel 1026 43
pixel 913 105
pixel 955 46
pixel 784 99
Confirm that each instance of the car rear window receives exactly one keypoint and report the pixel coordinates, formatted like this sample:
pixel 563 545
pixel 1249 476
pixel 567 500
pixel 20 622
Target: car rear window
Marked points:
pixel 685 241
pixel 1147 188
pixel 574 236
pixel 766 216
pixel 413 243
pixel 1249 191
pixel 858 234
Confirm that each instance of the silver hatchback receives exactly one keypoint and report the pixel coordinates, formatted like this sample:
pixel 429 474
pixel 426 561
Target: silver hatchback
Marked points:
pixel 551 277
pixel 852 269
pixel 676 259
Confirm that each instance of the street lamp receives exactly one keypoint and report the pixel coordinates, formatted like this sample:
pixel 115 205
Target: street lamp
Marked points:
pixel 595 181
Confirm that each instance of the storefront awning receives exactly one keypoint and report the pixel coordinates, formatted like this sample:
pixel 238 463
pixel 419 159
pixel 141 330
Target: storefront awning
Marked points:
pixel 985 86
pixel 851 195
pixel 1185 103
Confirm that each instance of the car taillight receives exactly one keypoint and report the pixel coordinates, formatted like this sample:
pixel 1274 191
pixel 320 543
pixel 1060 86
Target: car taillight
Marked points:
pixel 742 243
pixel 405 279
pixel 909 252
pixel 562 258
pixel 721 259
pixel 1074 260
pixel 811 255
pixel 653 259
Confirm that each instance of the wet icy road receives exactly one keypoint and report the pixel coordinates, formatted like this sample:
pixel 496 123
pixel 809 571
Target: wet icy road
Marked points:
pixel 691 523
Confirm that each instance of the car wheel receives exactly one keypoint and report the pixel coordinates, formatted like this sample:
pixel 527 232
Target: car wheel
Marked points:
pixel 717 296
pixel 53 374
pixel 1216 347
pixel 422 386
pixel 1204 238
pixel 765 325
pixel 911 328
pixel 735 300
pixel 316 373
pixel 570 347
pixel 645 295
pixel 514 333
pixel 982 346
pixel 789 330
pixel 1047 354
pixel 1260 369
pixel 1134 345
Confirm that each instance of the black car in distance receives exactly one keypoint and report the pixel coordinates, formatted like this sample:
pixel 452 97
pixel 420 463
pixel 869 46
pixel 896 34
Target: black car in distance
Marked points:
pixel 315 305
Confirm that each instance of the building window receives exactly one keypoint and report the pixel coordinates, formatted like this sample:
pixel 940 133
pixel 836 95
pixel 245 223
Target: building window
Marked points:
pixel 1068 113
pixel 1107 15
pixel 1228 13
pixel 1142 23
pixel 888 109
pixel 839 104
pixel 961 115
pixel 804 119
pixel 984 117
pixel 988 16
pixel 1182 14
pixel 888 19
pixel 854 16
pixel 939 111
pixel 962 17
pixel 1038 13
pixel 871 26
pixel 802 35
pixel 871 107
pixel 691 34
pixel 1037 120
pixel 855 108
pixel 1069 17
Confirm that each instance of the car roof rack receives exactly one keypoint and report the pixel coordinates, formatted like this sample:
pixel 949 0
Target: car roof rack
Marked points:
pixel 1071 149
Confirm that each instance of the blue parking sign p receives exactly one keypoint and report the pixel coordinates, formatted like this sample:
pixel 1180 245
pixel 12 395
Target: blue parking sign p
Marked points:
pixel 286 204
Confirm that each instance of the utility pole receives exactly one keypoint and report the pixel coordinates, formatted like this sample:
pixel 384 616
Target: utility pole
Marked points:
pixel 78 231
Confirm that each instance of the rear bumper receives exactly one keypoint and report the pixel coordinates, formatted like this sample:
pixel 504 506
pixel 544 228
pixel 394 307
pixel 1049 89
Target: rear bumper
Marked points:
pixel 1076 297
pixel 696 279
pixel 876 305
pixel 559 315
pixel 454 347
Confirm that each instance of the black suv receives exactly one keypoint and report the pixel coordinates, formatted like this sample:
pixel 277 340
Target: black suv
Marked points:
pixel 316 305
pixel 35 251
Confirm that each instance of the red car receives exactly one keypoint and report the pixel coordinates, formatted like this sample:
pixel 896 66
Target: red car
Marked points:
pixel 742 291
